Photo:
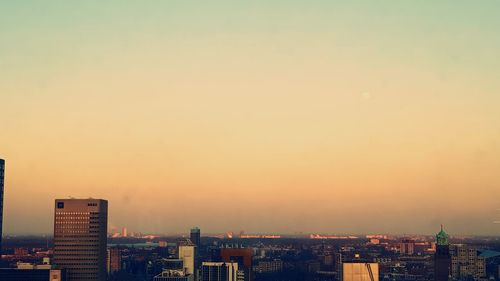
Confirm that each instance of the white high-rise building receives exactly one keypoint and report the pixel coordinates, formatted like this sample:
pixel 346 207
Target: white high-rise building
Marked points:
pixel 187 253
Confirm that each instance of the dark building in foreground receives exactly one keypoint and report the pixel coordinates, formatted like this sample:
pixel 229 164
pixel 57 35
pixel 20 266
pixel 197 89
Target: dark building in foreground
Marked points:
pixel 14 274
pixel 442 258
pixel 2 175
pixel 80 238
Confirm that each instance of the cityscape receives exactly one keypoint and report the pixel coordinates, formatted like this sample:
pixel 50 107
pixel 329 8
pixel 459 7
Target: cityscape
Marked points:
pixel 257 140
pixel 82 249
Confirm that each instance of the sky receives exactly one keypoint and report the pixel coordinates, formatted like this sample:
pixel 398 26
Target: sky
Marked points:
pixel 263 116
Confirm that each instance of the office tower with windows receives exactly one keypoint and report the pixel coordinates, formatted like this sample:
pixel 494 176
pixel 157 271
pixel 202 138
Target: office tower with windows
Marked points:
pixel 360 271
pixel 2 175
pixel 442 258
pixel 80 238
pixel 195 236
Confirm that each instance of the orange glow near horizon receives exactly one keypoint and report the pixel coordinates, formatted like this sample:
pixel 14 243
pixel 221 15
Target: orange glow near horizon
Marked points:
pixel 253 116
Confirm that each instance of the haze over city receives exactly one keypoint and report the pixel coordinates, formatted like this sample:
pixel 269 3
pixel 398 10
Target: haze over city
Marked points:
pixel 282 117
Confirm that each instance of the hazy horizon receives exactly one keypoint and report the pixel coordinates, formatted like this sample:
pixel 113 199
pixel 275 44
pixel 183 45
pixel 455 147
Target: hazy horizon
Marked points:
pixel 266 116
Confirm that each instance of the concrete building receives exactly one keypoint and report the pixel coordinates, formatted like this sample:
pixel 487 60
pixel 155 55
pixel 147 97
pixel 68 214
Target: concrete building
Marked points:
pixel 360 271
pixel 195 236
pixel 187 253
pixel 466 263
pixel 80 238
pixel 2 176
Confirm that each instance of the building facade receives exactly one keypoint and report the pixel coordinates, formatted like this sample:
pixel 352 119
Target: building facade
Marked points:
pixel 220 271
pixel 407 247
pixel 80 238
pixel 114 260
pixel 466 263
pixel 269 266
pixel 360 271
pixel 187 253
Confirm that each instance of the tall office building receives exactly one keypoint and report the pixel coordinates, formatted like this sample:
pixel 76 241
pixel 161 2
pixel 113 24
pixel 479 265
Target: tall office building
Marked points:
pixel 80 230
pixel 195 236
pixel 442 258
pixel 360 271
pixel 2 174
pixel 219 271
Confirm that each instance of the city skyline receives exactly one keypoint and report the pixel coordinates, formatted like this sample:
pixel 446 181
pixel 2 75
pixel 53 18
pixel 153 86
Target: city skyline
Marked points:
pixel 278 117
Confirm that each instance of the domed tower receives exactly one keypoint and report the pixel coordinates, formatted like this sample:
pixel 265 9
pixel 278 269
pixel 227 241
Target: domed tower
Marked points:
pixel 442 238
pixel 442 258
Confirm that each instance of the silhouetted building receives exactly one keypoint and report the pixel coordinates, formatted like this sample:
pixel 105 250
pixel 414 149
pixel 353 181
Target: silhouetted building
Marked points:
pixel 114 260
pixel 2 176
pixel 442 258
pixel 195 236
pixel 15 274
pixel 80 238
pixel 360 271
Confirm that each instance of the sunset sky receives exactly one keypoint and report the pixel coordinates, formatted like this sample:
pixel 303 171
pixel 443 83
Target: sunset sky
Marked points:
pixel 263 116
